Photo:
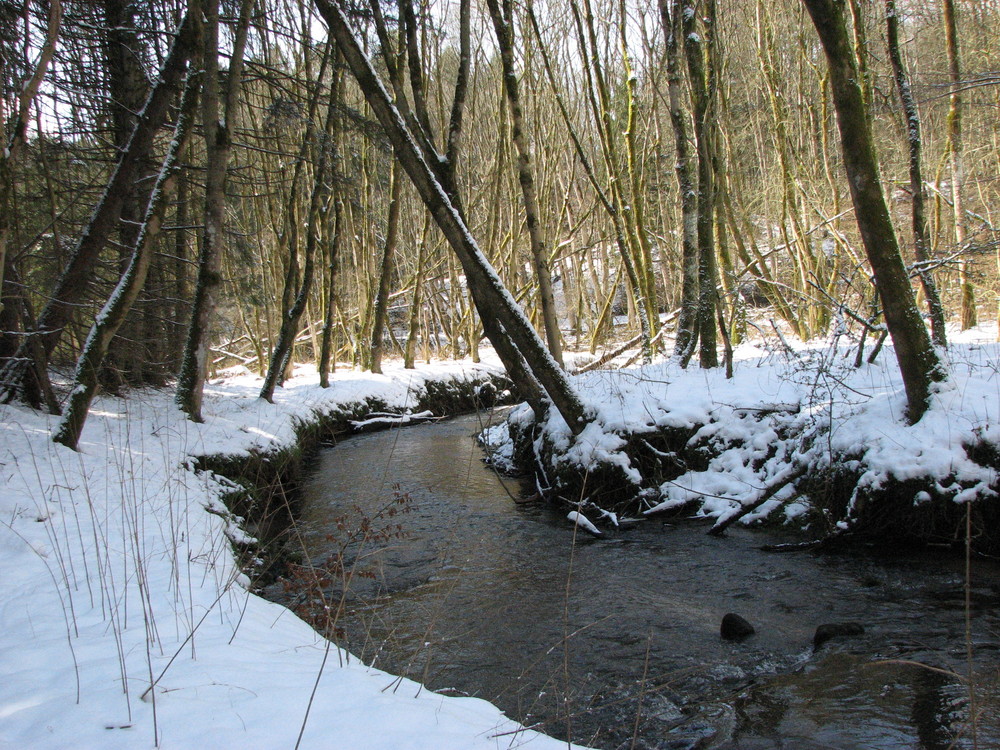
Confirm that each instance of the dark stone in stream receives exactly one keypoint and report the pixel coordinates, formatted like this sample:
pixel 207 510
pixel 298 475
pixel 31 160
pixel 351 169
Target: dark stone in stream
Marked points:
pixel 735 628
pixel 835 630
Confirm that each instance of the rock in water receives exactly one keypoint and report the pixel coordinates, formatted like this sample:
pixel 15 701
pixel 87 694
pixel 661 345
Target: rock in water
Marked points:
pixel 735 628
pixel 835 630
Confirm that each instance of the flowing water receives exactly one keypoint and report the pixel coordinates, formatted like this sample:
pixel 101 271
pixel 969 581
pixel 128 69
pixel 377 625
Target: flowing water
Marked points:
pixel 615 642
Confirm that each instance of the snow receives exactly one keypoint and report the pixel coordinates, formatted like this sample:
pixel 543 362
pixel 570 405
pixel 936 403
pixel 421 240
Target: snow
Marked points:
pixel 583 522
pixel 781 393
pixel 118 572
pixel 118 569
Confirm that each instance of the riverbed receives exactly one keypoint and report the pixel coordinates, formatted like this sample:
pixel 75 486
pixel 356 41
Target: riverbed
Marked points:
pixel 614 641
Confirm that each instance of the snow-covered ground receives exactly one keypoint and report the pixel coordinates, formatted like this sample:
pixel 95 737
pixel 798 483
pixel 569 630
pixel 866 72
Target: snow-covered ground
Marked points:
pixel 781 393
pixel 117 572
pixel 114 576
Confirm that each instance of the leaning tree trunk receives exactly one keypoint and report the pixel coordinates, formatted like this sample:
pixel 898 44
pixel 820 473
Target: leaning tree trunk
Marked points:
pixel 113 314
pixel 19 376
pixel 918 361
pixel 921 239
pixel 504 322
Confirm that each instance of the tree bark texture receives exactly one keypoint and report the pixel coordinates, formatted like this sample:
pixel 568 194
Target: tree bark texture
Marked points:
pixel 702 97
pixel 687 332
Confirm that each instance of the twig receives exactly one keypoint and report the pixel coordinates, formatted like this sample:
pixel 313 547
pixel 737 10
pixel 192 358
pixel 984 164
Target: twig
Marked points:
pixel 790 475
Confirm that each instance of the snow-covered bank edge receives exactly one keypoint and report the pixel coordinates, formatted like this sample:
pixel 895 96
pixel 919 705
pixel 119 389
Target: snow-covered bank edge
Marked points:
pixel 125 620
pixel 799 435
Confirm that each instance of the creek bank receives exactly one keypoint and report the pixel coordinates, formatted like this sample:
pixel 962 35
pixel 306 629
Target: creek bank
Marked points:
pixel 262 484
pixel 804 439
pixel 830 496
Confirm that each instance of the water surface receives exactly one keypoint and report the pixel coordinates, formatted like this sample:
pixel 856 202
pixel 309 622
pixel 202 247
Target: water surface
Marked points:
pixel 614 642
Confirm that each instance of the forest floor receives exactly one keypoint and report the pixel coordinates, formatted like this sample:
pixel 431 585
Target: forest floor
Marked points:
pixel 125 620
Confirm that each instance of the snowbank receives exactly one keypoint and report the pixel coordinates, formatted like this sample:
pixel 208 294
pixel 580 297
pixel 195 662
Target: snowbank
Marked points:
pixel 804 407
pixel 114 576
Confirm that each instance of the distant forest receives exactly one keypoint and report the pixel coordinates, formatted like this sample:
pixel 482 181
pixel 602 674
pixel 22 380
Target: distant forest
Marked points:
pixel 189 186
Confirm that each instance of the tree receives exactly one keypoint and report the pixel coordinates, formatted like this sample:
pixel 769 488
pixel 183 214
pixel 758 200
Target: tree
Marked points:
pixel 21 376
pixel 112 315
pixel 918 362
pixel 703 98
pixel 523 354
pixel 687 332
pixel 503 18
pixel 217 121
pixel 16 131
pixel 921 238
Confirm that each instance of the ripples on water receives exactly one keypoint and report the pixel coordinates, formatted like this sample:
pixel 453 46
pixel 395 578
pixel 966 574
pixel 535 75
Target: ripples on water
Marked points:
pixel 613 640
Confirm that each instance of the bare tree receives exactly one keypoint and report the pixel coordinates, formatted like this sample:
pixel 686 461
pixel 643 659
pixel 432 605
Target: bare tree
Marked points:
pixel 503 25
pixel 112 315
pixel 918 362
pixel 16 130
pixel 523 354
pixel 20 377
pixel 217 122
pixel 921 238
pixel 956 149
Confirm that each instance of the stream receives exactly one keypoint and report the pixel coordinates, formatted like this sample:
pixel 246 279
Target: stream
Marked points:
pixel 614 642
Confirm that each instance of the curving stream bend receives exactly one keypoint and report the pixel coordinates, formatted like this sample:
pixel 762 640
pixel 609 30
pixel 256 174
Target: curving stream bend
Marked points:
pixel 614 642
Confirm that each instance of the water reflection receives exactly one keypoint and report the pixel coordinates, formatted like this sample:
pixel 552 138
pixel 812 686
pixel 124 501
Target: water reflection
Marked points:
pixel 614 640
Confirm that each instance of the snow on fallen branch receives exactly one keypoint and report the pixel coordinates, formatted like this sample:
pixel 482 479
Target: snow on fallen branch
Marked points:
pixel 583 522
pixel 388 418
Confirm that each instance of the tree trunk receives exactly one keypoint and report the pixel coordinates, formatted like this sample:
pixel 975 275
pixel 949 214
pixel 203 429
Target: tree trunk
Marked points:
pixel 17 131
pixel 381 311
pixel 515 340
pixel 128 86
pixel 503 25
pixel 918 361
pixel 113 314
pixel 921 238
pixel 703 96
pixel 687 332
pixel 956 149
pixel 330 313
pixel 217 122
